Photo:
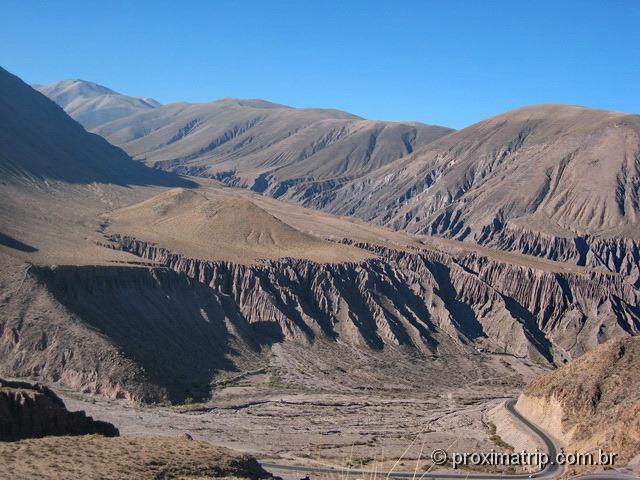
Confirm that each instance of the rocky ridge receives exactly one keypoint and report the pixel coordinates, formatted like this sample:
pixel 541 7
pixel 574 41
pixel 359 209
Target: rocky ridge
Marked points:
pixel 617 254
pixel 34 411
pixel 411 298
pixel 552 181
pixel 73 325
pixel 197 321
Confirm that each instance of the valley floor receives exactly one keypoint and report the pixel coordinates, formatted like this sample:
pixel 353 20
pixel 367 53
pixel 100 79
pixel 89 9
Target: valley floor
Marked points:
pixel 359 430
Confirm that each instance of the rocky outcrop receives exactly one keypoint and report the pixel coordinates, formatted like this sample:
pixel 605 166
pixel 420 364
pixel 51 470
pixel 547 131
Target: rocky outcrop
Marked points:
pixel 167 327
pixel 34 411
pixel 547 413
pixel 619 255
pixel 592 402
pixel 504 427
pixel 417 298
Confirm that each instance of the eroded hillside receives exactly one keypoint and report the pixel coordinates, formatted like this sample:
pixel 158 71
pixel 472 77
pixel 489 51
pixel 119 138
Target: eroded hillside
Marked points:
pixel 592 402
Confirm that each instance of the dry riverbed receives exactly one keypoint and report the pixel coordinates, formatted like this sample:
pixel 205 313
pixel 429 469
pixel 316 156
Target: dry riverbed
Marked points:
pixel 368 430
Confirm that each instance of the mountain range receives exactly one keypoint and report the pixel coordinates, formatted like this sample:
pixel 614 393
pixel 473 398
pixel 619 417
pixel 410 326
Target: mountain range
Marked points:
pixel 553 181
pixel 253 143
pixel 134 282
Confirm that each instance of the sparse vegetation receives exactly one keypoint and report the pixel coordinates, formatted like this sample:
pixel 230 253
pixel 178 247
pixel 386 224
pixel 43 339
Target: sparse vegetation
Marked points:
pixel 275 378
pixel 599 396
pixel 495 438
pixel 96 457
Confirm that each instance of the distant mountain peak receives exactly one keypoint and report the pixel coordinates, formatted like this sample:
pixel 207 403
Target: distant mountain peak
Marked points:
pixel 78 87
pixel 93 104
pixel 39 143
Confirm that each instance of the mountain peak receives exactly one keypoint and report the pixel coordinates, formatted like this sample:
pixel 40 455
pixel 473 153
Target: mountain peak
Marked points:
pixel 93 104
pixel 74 87
pixel 40 142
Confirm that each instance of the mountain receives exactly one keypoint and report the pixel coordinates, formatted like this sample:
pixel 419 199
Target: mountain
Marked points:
pixel 264 146
pixel 555 181
pixel 54 176
pixel 225 228
pixel 591 403
pixel 93 105
pixel 121 280
pixel 38 141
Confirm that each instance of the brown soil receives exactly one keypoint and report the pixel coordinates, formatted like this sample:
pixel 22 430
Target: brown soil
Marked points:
pixel 600 398
pixel 96 457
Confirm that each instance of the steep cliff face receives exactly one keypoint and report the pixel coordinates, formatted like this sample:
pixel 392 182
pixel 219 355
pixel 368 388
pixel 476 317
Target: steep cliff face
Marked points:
pixel 593 402
pixel 420 299
pixel 617 254
pixel 168 327
pixel 34 411
pixel 146 334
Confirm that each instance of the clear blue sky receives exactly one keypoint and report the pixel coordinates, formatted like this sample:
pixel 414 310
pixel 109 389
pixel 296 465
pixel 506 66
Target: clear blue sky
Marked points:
pixel 446 62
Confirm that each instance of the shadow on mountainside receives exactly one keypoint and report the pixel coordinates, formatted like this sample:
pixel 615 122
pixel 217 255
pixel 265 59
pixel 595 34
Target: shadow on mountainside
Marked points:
pixel 181 332
pixel 461 313
pixel 39 142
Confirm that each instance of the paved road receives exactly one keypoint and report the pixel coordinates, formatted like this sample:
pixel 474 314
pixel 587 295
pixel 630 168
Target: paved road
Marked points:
pixel 550 471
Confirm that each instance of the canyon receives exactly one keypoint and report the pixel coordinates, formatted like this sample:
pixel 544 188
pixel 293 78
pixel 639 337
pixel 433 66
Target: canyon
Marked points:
pixel 222 266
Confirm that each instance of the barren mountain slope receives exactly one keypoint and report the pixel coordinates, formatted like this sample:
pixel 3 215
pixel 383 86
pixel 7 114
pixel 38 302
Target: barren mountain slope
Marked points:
pixel 226 228
pixel 38 141
pixel 265 146
pixel 55 177
pixel 128 290
pixel 555 181
pixel 93 105
pixel 593 402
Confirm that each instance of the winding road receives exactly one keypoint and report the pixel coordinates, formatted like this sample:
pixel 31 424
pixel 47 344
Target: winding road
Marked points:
pixel 550 471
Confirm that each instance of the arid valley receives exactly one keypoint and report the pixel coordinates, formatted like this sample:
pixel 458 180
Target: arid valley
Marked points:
pixel 242 289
